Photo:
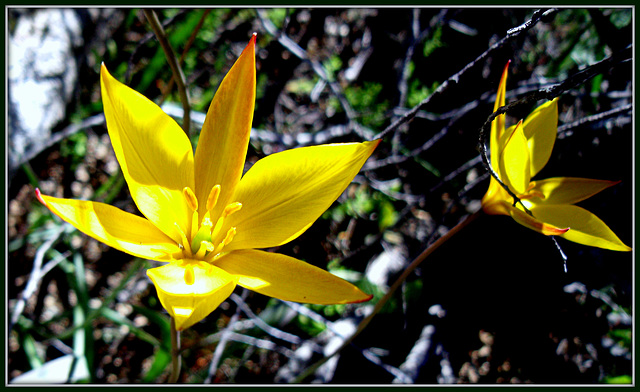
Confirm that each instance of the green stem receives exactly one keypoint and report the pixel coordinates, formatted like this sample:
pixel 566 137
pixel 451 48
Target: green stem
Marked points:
pixel 178 75
pixel 175 353
pixel 414 264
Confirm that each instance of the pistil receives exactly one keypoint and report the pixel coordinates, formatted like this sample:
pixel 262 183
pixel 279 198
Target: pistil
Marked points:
pixel 203 235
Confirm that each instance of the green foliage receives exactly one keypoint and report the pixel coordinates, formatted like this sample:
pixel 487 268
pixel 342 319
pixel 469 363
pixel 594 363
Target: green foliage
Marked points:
pixel 363 203
pixel 277 16
pixel 626 379
pixel 75 148
pixel 332 65
pixel 301 86
pixel 367 100
pixel 620 18
pixel 434 42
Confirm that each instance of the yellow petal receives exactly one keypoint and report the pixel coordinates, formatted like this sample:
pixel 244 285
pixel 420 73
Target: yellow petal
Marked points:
pixel 496 204
pixel 154 153
pixel 284 193
pixel 498 125
pixel 190 290
pixel 514 162
pixel 222 147
pixel 289 279
pixel 537 224
pixel 540 129
pixel 569 190
pixel 584 227
pixel 119 229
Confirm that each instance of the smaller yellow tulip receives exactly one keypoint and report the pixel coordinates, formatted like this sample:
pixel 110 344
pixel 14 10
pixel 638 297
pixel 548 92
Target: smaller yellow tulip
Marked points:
pixel 518 153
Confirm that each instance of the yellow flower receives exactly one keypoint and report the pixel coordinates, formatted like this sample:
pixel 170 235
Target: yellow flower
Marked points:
pixel 518 154
pixel 201 215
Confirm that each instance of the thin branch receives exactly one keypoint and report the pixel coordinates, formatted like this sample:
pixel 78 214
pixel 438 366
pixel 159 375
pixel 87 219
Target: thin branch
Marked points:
pixel 414 264
pixel 187 46
pixel 623 110
pixel 511 34
pixel 418 37
pixel 226 336
pixel 59 136
pixel 318 68
pixel 366 353
pixel 36 275
pixel 178 75
pixel 258 322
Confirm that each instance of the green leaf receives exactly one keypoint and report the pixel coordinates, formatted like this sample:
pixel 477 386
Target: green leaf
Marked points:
pixel 117 318
pixel 161 360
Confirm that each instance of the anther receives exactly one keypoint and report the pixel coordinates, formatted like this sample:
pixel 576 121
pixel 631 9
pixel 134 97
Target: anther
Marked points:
pixel 213 197
pixel 227 239
pixel 190 197
pixel 231 208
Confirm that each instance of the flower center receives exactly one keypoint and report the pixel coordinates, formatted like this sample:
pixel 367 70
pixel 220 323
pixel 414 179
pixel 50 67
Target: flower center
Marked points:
pixel 204 234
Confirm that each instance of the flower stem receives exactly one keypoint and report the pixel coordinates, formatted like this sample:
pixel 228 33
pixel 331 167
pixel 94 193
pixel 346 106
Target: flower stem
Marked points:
pixel 175 353
pixel 178 75
pixel 405 274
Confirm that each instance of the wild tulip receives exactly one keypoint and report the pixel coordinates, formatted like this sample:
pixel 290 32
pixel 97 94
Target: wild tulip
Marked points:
pixel 547 206
pixel 202 217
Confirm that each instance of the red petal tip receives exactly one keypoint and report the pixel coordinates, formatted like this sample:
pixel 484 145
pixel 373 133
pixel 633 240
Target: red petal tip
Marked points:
pixel 364 300
pixel 39 196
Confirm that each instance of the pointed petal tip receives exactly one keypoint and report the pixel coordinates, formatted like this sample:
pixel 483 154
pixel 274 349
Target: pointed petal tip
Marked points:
pixel 505 70
pixel 39 196
pixel 547 230
pixel 366 299
pixel 180 322
pixel 252 40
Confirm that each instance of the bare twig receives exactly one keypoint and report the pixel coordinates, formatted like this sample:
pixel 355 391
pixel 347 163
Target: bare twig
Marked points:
pixel 623 110
pixel 63 134
pixel 187 46
pixel 318 68
pixel 511 34
pixel 407 271
pixel 178 75
pixel 258 322
pixel 226 336
pixel 36 274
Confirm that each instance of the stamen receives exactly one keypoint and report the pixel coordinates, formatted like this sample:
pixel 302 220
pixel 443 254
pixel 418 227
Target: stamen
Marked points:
pixel 204 246
pixel 229 237
pixel 194 223
pixel 227 240
pixel 212 200
pixel 185 241
pixel 189 277
pixel 190 197
pixel 231 208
